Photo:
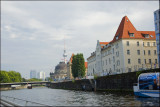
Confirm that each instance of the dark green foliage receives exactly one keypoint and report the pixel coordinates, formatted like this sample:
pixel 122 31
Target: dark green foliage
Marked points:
pixel 78 66
pixel 11 76
pixel 4 78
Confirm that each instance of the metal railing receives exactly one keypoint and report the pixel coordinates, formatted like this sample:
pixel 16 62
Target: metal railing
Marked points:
pixel 26 101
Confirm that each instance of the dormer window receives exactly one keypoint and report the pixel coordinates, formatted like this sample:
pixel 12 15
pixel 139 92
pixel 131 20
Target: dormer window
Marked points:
pixel 131 34
pixel 116 37
pixel 146 35
pixel 151 36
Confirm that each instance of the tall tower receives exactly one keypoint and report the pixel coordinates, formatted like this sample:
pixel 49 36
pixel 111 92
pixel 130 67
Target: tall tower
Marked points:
pixel 65 54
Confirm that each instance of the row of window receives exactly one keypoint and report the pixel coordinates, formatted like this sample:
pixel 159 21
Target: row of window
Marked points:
pixel 138 52
pixel 139 61
pixel 138 44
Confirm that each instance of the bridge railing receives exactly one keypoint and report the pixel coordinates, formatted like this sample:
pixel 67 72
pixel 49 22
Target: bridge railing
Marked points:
pixel 25 101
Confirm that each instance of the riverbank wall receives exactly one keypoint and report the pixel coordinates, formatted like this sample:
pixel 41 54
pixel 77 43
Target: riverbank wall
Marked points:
pixel 111 83
pixel 8 87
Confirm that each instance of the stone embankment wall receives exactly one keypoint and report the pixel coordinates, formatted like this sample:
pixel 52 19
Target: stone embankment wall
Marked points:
pixel 119 82
pixel 3 88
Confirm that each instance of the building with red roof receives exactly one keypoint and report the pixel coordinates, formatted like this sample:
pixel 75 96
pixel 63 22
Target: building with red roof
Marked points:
pixel 130 50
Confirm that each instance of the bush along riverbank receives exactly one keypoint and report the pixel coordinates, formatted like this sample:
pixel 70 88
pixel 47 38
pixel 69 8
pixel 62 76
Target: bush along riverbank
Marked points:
pixel 120 83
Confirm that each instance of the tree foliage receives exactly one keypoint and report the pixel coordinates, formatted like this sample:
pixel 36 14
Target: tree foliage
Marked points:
pixel 34 79
pixel 10 76
pixel 78 66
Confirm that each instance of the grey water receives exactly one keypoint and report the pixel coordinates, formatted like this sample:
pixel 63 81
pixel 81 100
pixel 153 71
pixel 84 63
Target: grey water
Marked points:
pixel 59 97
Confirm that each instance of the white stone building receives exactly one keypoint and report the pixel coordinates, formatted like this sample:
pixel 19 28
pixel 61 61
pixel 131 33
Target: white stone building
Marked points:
pixel 41 75
pixel 130 50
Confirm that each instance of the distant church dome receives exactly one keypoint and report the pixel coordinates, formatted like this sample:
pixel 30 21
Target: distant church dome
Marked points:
pixel 61 68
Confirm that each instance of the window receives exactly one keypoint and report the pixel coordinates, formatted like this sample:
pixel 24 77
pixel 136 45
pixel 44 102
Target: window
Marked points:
pixel 117 53
pixel 149 52
pixel 114 67
pixel 151 36
pixel 145 61
pixel 116 37
pixel 113 59
pixel 139 61
pixel 154 43
pixel 118 62
pixel 129 69
pixel 156 27
pixel 155 17
pixel 116 45
pixel 137 43
pixel 127 43
pixel 143 43
pixel 155 61
pixel 155 52
pixel 131 34
pixel 129 61
pixel 144 52
pixel 128 52
pixel 113 50
pixel 146 35
pixel 109 61
pixel 148 44
pixel 138 52
pixel 150 61
pixel 106 62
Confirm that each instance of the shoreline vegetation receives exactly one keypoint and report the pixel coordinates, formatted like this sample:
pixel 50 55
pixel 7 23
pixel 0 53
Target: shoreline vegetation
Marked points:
pixel 13 76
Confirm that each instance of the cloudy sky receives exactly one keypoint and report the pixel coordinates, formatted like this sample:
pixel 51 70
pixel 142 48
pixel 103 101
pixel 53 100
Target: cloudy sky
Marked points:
pixel 32 32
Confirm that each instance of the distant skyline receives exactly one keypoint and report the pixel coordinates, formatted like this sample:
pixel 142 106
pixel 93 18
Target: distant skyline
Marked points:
pixel 32 32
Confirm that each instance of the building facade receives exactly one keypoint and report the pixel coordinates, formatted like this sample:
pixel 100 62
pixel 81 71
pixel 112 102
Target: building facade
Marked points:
pixel 157 22
pixel 69 68
pixel 60 72
pixel 130 50
pixel 33 74
pixel 41 75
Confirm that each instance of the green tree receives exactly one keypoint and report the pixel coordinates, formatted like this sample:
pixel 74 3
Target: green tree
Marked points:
pixel 10 76
pixel 78 66
pixel 34 79
pixel 4 78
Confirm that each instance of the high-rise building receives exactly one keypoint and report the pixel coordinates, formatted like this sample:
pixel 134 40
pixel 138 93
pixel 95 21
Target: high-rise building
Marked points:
pixel 157 22
pixel 130 50
pixel 41 75
pixel 33 74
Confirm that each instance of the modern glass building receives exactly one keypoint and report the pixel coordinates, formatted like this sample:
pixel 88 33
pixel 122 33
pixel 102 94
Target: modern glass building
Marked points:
pixel 157 22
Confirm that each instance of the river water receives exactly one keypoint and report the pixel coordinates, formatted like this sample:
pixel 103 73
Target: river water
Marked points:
pixel 59 97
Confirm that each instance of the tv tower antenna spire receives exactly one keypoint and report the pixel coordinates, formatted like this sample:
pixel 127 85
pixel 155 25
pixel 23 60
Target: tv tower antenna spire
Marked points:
pixel 65 54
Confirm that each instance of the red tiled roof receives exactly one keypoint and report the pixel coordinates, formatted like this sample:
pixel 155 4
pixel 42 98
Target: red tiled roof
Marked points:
pixel 71 57
pixel 127 27
pixel 104 43
pixel 86 64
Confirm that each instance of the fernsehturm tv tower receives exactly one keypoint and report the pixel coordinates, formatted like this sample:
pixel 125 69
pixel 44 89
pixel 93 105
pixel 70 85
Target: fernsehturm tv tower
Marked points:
pixel 65 54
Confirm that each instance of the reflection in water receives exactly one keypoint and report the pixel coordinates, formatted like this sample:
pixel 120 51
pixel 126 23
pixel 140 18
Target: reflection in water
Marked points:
pixel 58 97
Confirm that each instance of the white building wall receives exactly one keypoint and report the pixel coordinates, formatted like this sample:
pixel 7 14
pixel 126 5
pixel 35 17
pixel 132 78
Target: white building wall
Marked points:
pixel 41 75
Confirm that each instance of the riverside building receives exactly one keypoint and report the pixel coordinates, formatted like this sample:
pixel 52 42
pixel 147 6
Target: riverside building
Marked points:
pixel 157 22
pixel 130 50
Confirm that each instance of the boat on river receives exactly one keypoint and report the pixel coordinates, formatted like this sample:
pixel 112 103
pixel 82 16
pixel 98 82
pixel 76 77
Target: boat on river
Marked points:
pixel 29 86
pixel 148 85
